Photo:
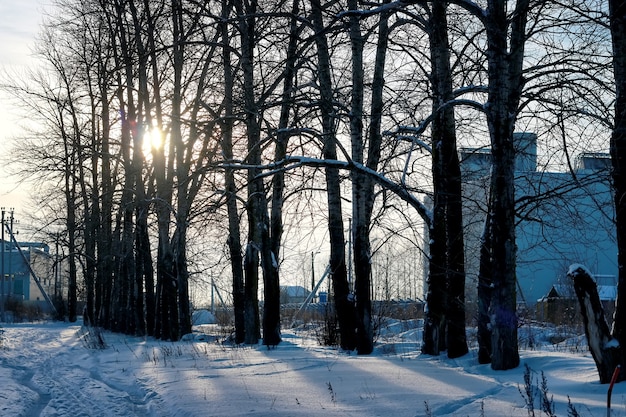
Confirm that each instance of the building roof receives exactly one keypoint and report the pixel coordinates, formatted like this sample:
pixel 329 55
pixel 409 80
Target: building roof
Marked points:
pixel 606 292
pixel 295 291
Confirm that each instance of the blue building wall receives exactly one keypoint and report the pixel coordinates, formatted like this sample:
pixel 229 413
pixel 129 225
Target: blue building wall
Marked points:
pixel 575 225
pixel 18 281
pixel 562 219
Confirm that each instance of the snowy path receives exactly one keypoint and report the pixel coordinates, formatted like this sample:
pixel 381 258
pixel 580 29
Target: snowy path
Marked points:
pixel 52 374
pixel 45 370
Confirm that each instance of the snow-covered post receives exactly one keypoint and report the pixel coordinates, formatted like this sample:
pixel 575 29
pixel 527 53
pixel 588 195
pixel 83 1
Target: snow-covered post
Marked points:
pixel 604 349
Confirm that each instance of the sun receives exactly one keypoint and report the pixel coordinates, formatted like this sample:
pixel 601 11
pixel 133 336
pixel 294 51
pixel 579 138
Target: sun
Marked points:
pixel 152 139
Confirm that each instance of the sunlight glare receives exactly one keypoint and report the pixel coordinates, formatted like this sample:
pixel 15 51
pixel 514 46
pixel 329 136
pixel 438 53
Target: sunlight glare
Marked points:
pixel 153 139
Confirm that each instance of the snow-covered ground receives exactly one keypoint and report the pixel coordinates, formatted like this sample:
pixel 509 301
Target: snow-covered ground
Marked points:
pixel 47 370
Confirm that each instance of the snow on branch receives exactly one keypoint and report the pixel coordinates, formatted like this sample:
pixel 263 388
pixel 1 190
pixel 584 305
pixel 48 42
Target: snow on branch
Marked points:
pixel 410 138
pixel 383 8
pixel 471 89
pixel 293 162
pixel 469 5
pixel 472 7
pixel 412 133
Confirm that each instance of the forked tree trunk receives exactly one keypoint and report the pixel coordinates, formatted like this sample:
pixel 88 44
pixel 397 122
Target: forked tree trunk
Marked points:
pixel 505 56
pixel 604 349
pixel 374 150
pixel 271 316
pixel 257 203
pixel 360 193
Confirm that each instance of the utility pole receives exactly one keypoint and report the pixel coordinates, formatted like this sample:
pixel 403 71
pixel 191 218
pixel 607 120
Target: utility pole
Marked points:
pixel 56 266
pixel 350 255
pixel 11 248
pixel 313 271
pixel 2 267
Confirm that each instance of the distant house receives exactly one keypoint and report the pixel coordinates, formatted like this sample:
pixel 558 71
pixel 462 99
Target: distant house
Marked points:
pixel 562 219
pixel 293 294
pixel 561 300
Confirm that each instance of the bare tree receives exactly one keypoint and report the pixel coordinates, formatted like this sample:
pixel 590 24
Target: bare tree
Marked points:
pixel 234 237
pixel 344 300
pixel 444 327
pixel 272 315
pixel 362 188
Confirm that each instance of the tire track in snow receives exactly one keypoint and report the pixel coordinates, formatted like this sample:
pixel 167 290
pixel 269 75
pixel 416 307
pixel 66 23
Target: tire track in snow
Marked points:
pixel 68 383
pixel 43 398
pixel 452 407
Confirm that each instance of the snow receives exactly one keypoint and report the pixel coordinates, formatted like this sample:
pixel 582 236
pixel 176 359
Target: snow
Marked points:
pixel 203 317
pixel 49 369
pixel 573 270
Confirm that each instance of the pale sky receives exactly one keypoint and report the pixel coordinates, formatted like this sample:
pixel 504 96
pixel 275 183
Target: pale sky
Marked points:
pixel 19 26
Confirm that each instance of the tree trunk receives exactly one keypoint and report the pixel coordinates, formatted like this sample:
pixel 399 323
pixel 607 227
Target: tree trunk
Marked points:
pixel 72 232
pixel 504 92
pixel 360 194
pixel 104 249
pixel 375 140
pixel 617 11
pixel 234 237
pixel 272 315
pixel 143 291
pixel 484 294
pixel 344 301
pixel 434 321
pixel 91 241
pixel 144 298
pixel 257 204
pixel 251 288
pixel 165 316
pixel 444 327
pixel 182 274
pixel 434 337
pixel 74 183
pixel 234 233
pixel 92 202
pixel 181 171
pixel 604 349
pixel 444 131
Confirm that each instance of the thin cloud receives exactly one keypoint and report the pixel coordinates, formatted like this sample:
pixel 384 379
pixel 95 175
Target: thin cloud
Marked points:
pixel 18 30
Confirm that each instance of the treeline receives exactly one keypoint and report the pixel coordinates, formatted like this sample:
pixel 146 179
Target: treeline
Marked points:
pixel 254 102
